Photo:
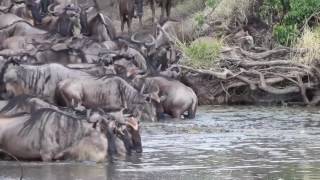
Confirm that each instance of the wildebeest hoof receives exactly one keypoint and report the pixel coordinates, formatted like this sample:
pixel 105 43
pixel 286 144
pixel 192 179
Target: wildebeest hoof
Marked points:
pixel 80 108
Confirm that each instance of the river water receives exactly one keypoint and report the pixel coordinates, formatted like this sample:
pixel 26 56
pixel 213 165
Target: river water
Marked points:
pixel 245 143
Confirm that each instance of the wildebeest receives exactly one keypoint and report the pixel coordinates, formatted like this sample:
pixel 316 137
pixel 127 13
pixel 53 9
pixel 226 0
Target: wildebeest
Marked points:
pixel 97 70
pixel 106 92
pixel 176 98
pixel 171 31
pixel 12 25
pixel 24 104
pixel 40 80
pixel 50 134
pixel 101 28
pixel 126 9
pixel 20 9
pixel 165 6
pixel 123 136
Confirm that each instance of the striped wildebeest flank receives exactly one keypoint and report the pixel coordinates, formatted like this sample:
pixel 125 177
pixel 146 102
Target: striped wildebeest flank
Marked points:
pixel 106 92
pixel 50 134
pixel 40 81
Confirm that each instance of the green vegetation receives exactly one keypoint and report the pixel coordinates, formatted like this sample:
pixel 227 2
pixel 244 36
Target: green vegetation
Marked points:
pixel 212 3
pixel 286 34
pixel 203 53
pixel 200 19
pixel 288 17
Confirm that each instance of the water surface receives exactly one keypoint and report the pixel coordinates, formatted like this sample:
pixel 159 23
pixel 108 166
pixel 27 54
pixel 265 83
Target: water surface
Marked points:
pixel 245 143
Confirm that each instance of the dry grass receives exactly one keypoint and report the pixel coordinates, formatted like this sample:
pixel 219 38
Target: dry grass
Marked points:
pixel 309 40
pixel 187 8
pixel 228 10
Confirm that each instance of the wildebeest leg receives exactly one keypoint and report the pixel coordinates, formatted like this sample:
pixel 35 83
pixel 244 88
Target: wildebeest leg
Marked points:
pixel 140 21
pixel 175 113
pixel 163 7
pixel 168 8
pixel 152 9
pixel 122 24
pixel 129 21
pixel 46 156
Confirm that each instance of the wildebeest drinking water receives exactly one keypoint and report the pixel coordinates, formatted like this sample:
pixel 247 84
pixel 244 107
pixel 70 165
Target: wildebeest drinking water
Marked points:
pixel 50 134
pixel 176 98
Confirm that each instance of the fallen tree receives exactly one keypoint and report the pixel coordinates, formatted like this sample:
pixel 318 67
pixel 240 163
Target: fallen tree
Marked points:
pixel 262 77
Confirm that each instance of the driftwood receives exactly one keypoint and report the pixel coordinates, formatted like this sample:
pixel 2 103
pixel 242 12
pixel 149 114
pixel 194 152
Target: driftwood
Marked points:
pixel 270 72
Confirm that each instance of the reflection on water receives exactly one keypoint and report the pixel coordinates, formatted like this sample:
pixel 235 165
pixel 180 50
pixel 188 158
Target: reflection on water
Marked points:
pixel 248 143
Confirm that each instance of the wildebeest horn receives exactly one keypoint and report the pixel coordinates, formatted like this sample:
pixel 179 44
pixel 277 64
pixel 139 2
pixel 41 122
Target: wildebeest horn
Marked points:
pixel 133 38
pixel 142 88
pixel 88 113
pixel 51 9
pixel 132 122
pixel 159 68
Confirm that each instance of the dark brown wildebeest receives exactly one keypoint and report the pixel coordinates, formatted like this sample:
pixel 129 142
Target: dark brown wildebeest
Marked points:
pixel 50 134
pixel 175 97
pixel 165 6
pixel 126 9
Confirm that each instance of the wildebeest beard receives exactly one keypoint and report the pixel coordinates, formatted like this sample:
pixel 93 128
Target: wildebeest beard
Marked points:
pixel 64 25
pixel 3 71
pixel 127 143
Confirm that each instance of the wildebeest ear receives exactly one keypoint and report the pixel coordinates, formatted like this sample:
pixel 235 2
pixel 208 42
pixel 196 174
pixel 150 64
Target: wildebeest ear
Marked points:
pixel 162 98
pixel 154 96
pixel 13 62
pixel 133 123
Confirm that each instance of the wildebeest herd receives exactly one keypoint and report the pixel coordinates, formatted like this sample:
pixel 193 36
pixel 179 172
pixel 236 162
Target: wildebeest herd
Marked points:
pixel 74 89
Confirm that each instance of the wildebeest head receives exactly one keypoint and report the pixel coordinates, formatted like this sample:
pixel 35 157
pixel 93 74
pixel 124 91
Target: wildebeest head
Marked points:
pixel 67 20
pixel 9 78
pixel 126 68
pixel 128 131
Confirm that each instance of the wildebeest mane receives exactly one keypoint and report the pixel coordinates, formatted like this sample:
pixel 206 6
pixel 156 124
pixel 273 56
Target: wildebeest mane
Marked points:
pixel 32 78
pixel 66 128
pixel 15 102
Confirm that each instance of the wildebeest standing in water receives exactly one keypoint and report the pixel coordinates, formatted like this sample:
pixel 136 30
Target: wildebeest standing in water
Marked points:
pixel 50 134
pixel 176 98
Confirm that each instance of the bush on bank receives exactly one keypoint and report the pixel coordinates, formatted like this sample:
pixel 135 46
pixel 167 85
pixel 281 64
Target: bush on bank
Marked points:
pixel 288 17
pixel 202 53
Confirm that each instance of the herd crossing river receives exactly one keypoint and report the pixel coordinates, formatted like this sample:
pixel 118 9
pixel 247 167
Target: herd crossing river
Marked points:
pixel 222 142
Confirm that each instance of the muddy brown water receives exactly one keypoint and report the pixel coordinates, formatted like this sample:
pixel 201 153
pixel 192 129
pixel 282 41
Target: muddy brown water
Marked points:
pixel 245 143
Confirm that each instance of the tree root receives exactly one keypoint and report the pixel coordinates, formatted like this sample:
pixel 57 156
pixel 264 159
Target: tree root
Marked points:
pixel 268 73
